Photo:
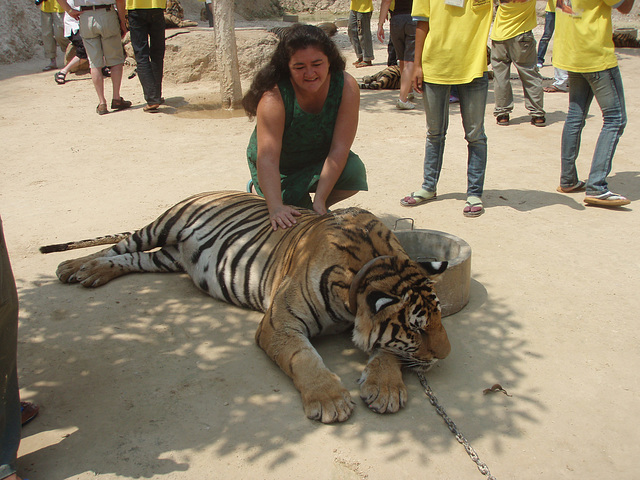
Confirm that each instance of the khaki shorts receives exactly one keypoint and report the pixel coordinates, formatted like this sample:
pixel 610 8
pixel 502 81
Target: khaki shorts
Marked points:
pixel 100 32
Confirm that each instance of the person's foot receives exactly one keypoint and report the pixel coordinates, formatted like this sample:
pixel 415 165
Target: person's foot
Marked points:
pixel 102 109
pixel 364 63
pixel 400 105
pixel 120 104
pixel 153 108
pixel 357 61
pixel 538 121
pixel 502 119
pixel 607 199
pixel 51 66
pixel 578 187
pixel 29 411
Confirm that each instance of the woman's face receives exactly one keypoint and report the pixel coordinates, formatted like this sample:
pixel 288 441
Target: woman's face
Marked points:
pixel 309 68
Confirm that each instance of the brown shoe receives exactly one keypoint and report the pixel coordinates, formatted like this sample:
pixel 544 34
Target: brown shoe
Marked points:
pixel 538 121
pixel 102 109
pixel 29 411
pixel 120 104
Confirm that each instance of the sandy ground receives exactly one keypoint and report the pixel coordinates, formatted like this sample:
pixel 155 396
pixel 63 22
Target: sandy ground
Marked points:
pixel 148 378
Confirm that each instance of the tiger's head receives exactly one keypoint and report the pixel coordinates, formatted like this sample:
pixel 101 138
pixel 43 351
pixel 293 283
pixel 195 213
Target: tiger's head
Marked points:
pixel 397 310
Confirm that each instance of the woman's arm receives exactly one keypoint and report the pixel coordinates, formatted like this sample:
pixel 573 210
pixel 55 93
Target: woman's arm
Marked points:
pixel 422 29
pixel 344 133
pixel 384 11
pixel 270 118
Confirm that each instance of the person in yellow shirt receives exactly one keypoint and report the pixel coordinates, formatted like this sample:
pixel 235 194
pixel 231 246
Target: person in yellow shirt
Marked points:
pixel 52 26
pixel 146 27
pixel 450 50
pixel 359 30
pixel 584 47
pixel 512 41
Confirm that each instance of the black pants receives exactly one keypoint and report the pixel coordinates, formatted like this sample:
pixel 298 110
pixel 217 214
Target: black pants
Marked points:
pixel 146 27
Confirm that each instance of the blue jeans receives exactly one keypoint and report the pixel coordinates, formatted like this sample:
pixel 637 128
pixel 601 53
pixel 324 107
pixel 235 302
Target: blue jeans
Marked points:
pixel 146 26
pixel 359 30
pixel 606 87
pixel 549 27
pixel 473 100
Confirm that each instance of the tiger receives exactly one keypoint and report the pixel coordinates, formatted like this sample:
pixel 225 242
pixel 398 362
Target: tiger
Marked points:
pixel 325 275
pixel 389 79
pixel 625 40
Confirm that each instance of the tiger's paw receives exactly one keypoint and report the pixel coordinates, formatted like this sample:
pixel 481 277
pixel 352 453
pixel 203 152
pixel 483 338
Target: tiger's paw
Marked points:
pixel 328 405
pixel 93 273
pixel 382 388
pixel 66 270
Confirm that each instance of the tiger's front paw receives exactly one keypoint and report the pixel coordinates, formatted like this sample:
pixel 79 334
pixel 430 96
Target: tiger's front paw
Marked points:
pixel 328 403
pixel 66 270
pixel 382 388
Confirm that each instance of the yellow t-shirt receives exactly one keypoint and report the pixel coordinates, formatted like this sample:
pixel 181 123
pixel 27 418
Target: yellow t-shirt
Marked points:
pixel 455 50
pixel 514 18
pixel 145 4
pixel 583 41
pixel 551 6
pixel 51 6
pixel 362 6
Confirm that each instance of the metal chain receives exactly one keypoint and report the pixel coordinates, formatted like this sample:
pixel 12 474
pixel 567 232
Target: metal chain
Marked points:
pixel 454 429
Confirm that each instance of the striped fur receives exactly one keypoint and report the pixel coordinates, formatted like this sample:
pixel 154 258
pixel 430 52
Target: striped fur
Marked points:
pixel 305 279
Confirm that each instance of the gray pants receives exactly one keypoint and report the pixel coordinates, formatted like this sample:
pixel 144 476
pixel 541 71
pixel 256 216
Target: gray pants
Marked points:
pixel 10 417
pixel 359 31
pixel 52 25
pixel 521 51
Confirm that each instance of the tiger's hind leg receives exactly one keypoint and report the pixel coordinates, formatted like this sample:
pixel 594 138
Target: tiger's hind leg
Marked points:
pixel 96 270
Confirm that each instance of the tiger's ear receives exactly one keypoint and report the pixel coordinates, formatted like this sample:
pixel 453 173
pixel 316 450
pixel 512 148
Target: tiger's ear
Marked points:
pixel 434 269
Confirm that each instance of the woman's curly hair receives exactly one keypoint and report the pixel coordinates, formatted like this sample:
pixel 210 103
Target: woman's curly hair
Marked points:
pixel 296 37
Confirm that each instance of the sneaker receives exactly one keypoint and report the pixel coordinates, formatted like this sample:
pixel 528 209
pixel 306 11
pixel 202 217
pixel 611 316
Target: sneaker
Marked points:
pixel 400 105
pixel 607 199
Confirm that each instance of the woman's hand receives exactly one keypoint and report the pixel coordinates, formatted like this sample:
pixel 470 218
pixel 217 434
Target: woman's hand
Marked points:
pixel 283 216
pixel 319 206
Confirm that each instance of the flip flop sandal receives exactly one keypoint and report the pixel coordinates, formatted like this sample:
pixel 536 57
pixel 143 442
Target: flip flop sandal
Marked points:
pixel 60 78
pixel 553 89
pixel 473 207
pixel 417 199
pixel 578 187
pixel 607 199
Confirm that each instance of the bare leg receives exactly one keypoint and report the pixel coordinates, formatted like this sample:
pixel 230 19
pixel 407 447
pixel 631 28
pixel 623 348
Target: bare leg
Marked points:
pixel 98 83
pixel 405 79
pixel 116 80
pixel 338 195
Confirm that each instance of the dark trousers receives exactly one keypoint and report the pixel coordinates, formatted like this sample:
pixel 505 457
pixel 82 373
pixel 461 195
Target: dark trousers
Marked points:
pixel 10 417
pixel 146 27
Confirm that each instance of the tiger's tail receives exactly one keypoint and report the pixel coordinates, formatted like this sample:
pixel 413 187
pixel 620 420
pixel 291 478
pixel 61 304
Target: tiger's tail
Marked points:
pixel 92 242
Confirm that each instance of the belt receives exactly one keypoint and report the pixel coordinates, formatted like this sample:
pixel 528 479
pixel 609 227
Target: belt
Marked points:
pixel 96 7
